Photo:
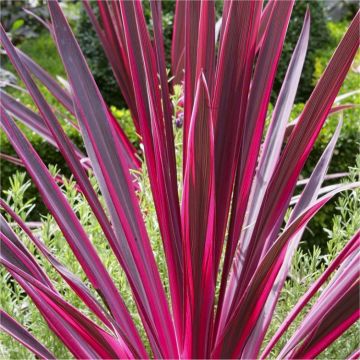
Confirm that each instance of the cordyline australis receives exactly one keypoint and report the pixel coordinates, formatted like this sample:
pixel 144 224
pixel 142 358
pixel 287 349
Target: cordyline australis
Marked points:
pixel 228 227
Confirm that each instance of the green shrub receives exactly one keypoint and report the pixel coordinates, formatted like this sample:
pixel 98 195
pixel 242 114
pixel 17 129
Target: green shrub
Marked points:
pixel 18 23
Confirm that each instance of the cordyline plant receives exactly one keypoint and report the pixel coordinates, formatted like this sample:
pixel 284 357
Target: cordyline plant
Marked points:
pixel 227 242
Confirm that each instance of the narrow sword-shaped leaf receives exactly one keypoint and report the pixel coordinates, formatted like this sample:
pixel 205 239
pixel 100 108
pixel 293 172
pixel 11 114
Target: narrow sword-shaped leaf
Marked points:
pixel 14 329
pixel 76 331
pixel 258 102
pixel 43 22
pixel 66 100
pixel 198 213
pixel 31 120
pixel 151 120
pixel 265 19
pixel 27 117
pixel 250 138
pixel 27 261
pixel 232 83
pixel 114 48
pixel 335 310
pixel 52 85
pixel 192 17
pixel 14 160
pixel 205 62
pixel 178 43
pixel 334 110
pixel 173 253
pixel 327 177
pixel 62 140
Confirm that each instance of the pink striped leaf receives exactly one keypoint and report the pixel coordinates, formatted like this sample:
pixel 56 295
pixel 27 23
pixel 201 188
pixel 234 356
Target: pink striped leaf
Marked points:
pixel 232 78
pixel 25 261
pixel 265 19
pixel 14 329
pixel 250 138
pixel 66 100
pixel 132 245
pixel 62 140
pixel 75 283
pixel 334 110
pixel 113 42
pixel 14 160
pixel 336 309
pixel 31 120
pixel 198 213
pixel 152 125
pixel 51 84
pixel 327 177
pixel 178 43
pixel 270 152
pixel 192 18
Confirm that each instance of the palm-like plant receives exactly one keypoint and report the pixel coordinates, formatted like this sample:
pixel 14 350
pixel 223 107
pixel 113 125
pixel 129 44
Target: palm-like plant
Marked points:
pixel 238 182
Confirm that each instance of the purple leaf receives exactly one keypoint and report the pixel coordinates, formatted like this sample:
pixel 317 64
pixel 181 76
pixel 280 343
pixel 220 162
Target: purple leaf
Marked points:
pixel 13 328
